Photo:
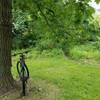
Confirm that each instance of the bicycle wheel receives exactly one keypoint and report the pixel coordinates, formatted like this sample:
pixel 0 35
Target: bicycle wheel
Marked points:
pixel 22 68
pixel 26 71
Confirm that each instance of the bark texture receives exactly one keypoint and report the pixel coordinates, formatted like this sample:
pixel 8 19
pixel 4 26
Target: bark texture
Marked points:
pixel 6 79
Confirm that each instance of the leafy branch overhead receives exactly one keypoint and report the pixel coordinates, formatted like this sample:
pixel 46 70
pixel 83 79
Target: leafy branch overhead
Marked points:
pixel 61 21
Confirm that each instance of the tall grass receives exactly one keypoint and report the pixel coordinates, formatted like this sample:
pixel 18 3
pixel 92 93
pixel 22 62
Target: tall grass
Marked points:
pixel 86 51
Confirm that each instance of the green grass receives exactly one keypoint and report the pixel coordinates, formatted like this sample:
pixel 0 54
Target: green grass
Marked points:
pixel 76 80
pixel 60 78
pixel 87 51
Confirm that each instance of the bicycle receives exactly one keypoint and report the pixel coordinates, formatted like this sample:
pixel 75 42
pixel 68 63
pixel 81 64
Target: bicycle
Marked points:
pixel 23 72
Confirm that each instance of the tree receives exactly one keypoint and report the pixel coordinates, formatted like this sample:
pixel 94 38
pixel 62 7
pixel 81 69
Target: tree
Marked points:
pixel 6 79
pixel 60 17
pixel 62 22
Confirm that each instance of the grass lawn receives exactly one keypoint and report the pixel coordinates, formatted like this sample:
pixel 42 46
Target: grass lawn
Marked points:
pixel 61 78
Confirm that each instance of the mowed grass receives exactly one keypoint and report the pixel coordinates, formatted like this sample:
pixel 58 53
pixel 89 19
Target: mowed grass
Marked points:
pixel 75 80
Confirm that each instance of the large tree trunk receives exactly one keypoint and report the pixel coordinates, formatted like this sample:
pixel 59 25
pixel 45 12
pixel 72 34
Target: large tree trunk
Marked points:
pixel 6 79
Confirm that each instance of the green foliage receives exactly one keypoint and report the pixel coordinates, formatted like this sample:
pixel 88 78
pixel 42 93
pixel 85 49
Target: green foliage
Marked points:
pixel 52 53
pixel 52 23
pixel 86 51
pixel 23 35
pixel 97 1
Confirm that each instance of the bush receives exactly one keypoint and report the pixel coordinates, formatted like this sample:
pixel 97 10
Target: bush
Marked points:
pixel 52 53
